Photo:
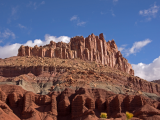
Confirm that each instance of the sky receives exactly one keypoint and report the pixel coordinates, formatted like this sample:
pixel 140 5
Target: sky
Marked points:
pixel 133 24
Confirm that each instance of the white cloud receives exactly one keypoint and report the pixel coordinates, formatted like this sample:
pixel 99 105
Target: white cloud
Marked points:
pixel 12 50
pixel 9 50
pixel 73 18
pixel 6 34
pixel 65 39
pixel 148 71
pixel 122 48
pixel 35 42
pixel 150 13
pixel 137 46
pixel 21 26
pixel 76 19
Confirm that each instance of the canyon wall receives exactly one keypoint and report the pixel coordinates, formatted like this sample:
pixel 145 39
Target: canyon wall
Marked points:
pixel 91 48
pixel 17 104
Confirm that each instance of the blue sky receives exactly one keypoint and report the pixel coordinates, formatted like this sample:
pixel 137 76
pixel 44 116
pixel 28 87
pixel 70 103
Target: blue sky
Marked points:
pixel 133 24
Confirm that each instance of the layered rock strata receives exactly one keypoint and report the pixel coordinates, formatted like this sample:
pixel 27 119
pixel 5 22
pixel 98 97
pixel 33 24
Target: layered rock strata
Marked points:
pixel 51 73
pixel 12 71
pixel 91 48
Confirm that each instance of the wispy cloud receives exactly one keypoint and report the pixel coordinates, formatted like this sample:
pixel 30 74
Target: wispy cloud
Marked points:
pixel 102 13
pixel 14 10
pixel 76 19
pixel 35 5
pixel 6 34
pixel 150 13
pixel 122 48
pixel 21 26
pixel 43 2
pixel 148 71
pixel 137 46
pixel 13 15
pixel 12 50
pixel 81 23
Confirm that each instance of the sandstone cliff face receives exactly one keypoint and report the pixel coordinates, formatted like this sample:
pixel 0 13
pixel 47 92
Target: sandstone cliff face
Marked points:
pixel 16 104
pixel 92 48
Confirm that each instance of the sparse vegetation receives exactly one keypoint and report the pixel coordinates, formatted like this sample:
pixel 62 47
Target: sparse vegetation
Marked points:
pixel 129 115
pixel 103 115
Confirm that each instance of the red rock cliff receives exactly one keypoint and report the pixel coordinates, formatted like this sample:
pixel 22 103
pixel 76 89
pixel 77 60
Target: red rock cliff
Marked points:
pixel 92 48
pixel 18 104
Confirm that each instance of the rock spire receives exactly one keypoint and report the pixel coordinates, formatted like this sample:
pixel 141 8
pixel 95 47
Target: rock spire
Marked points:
pixel 91 48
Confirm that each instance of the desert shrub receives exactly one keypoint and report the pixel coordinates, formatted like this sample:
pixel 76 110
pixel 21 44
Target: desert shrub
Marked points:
pixel 129 115
pixel 103 115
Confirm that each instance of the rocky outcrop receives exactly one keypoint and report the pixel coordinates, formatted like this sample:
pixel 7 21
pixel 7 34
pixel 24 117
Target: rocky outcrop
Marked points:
pixel 64 106
pixel 143 85
pixel 12 71
pixel 70 104
pixel 91 48
pixel 6 113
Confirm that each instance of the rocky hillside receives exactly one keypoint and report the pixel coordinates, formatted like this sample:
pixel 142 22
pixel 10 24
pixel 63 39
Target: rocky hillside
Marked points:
pixel 70 71
pixel 34 87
